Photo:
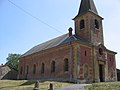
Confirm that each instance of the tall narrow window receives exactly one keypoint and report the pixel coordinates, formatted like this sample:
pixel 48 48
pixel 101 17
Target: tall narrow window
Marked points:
pixel 53 66
pixel 100 51
pixel 82 24
pixel 85 53
pixel 34 69
pixel 21 70
pixel 42 68
pixel 27 71
pixel 66 65
pixel 110 59
pixel 96 24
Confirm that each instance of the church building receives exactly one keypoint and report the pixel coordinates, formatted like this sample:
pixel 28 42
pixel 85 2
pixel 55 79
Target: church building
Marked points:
pixel 80 57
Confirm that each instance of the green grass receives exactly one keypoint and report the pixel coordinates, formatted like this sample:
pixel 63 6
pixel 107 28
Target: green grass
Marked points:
pixel 28 85
pixel 104 86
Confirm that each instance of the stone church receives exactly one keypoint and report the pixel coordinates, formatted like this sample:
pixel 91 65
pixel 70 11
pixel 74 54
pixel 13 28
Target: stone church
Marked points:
pixel 80 57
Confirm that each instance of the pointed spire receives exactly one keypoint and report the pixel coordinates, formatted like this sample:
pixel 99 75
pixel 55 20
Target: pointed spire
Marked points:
pixel 87 5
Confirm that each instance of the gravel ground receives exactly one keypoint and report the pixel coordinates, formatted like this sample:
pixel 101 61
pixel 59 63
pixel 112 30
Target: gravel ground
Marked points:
pixel 75 87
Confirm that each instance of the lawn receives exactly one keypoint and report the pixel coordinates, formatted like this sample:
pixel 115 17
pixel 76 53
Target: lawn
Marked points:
pixel 104 86
pixel 28 85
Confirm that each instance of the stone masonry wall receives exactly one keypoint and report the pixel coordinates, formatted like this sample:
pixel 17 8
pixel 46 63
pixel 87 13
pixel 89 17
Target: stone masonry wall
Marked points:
pixel 111 67
pixel 58 55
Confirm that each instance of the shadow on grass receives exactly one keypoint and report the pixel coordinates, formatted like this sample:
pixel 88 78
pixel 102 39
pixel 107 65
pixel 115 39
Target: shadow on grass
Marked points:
pixel 30 83
pixel 27 83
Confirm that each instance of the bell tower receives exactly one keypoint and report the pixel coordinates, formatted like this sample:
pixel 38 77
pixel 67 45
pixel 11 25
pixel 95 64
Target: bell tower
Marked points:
pixel 88 24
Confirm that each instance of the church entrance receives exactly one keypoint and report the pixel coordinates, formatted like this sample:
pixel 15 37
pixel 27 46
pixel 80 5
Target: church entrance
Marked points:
pixel 101 76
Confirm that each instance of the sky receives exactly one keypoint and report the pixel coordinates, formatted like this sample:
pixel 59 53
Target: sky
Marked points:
pixel 26 23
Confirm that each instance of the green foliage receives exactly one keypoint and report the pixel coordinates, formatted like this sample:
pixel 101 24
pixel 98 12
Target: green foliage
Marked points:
pixel 13 60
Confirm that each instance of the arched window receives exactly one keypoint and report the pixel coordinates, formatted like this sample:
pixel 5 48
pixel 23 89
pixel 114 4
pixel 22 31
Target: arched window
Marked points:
pixel 86 71
pixel 53 66
pixel 42 68
pixel 34 69
pixel 100 51
pixel 82 24
pixel 96 24
pixel 66 65
pixel 21 70
pixel 27 71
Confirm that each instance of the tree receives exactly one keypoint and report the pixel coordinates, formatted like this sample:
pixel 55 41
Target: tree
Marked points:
pixel 13 60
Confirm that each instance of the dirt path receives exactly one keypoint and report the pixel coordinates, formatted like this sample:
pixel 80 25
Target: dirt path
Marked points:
pixel 75 87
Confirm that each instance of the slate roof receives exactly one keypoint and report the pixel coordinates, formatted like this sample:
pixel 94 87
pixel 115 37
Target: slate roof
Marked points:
pixel 54 42
pixel 87 5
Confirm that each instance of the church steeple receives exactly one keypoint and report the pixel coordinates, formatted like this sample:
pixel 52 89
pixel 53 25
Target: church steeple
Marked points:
pixel 87 5
pixel 88 24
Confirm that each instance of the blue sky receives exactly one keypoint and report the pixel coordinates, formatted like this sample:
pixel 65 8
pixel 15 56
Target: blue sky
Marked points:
pixel 19 31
